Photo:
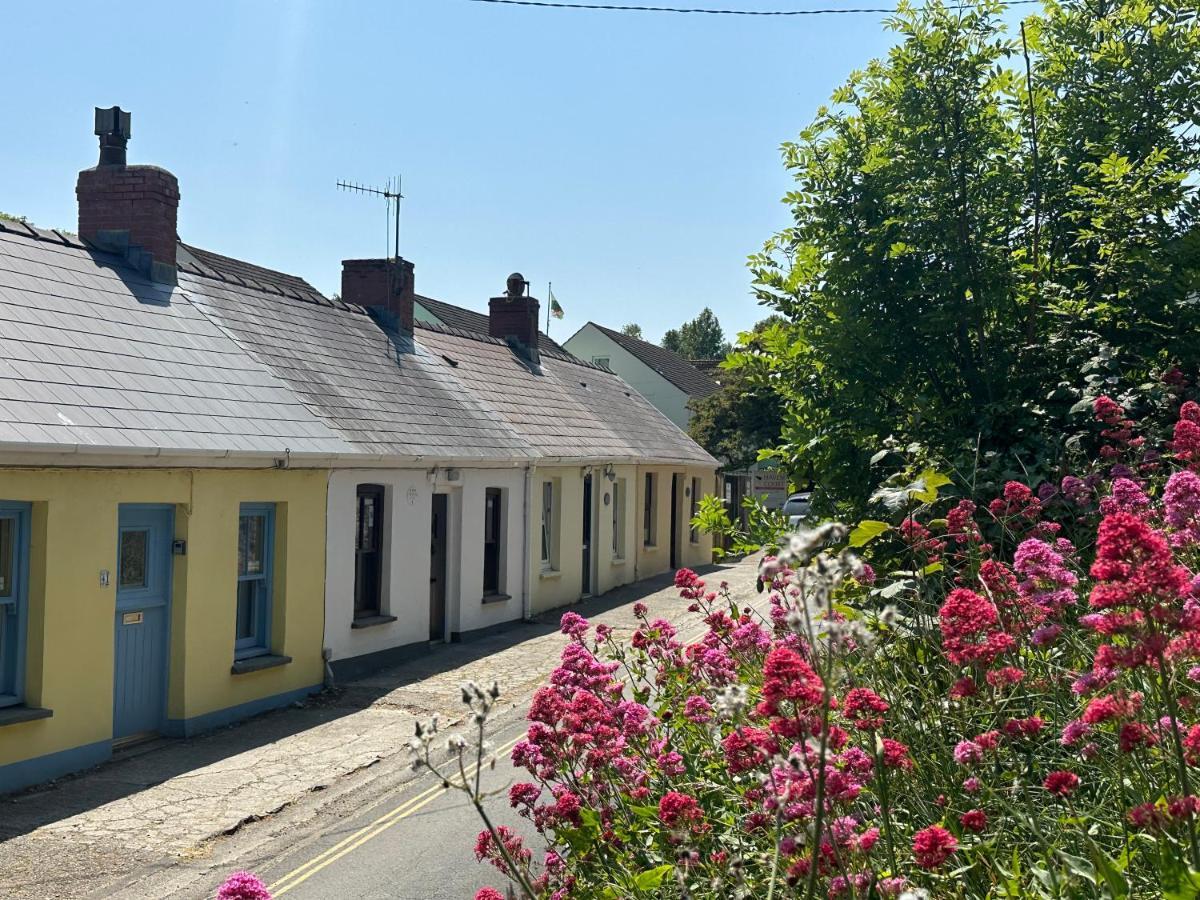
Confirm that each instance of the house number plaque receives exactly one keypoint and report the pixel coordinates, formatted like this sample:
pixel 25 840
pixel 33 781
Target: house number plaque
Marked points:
pixel 134 618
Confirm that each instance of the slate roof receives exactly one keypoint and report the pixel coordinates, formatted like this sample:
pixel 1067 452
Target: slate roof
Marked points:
pixel 565 407
pixel 229 269
pixel 385 394
pixel 241 359
pixel 670 366
pixel 94 355
pixel 468 320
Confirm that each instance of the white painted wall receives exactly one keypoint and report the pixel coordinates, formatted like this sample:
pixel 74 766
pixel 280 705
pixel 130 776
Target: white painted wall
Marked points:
pixel 408 507
pixel 405 592
pixel 590 342
pixel 470 612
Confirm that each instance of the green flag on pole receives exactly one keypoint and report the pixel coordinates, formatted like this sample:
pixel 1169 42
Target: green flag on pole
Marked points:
pixel 555 309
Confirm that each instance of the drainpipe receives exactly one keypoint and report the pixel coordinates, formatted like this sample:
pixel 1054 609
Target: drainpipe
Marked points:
pixel 526 599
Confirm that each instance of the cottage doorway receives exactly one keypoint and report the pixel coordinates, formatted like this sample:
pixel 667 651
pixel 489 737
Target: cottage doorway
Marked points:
pixel 437 568
pixel 587 535
pixel 141 664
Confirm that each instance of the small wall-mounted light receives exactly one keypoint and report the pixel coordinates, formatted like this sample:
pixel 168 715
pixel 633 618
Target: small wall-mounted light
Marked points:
pixel 610 473
pixel 179 548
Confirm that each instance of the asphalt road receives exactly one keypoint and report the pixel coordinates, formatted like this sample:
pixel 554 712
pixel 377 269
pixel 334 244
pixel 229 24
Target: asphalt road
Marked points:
pixel 413 844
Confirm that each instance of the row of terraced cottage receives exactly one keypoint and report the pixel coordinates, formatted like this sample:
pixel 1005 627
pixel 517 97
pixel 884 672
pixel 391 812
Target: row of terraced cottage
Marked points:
pixel 220 489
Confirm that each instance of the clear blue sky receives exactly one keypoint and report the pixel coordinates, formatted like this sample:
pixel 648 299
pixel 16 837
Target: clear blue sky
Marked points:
pixel 630 158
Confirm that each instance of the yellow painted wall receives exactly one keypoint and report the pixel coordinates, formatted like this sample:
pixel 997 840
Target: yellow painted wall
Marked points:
pixel 654 559
pixel 561 584
pixel 69 660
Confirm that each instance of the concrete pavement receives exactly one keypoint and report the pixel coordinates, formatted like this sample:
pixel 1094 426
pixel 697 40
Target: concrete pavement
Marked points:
pixel 170 819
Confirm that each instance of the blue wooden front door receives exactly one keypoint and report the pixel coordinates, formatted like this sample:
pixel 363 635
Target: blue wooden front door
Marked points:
pixel 143 578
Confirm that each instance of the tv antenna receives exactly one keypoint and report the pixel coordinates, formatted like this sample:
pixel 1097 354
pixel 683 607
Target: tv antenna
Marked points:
pixel 392 197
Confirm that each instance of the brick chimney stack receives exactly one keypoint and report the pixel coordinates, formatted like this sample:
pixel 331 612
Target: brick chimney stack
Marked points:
pixel 514 316
pixel 384 284
pixel 130 210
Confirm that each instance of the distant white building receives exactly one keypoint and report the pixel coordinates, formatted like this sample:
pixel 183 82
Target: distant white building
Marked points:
pixel 664 378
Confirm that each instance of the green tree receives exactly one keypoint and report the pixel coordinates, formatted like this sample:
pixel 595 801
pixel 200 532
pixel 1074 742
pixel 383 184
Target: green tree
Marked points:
pixel 966 243
pixel 701 338
pixel 744 417
pixel 633 330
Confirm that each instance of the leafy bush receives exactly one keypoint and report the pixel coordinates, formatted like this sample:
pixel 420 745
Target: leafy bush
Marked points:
pixel 981 221
pixel 1009 708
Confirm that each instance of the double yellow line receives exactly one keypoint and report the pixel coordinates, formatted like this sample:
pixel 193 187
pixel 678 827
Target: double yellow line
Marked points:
pixel 304 872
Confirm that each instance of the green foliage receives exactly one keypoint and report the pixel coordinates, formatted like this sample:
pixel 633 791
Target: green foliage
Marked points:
pixel 745 416
pixel 701 338
pixel 736 422
pixel 936 286
pixel 633 330
pixel 764 527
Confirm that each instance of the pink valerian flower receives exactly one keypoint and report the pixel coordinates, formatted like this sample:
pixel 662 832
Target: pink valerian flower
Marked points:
pixel 963 688
pixel 932 846
pixel 1062 783
pixel 691 587
pixel 1005 677
pixel 243 886
pixel 676 810
pixel 1186 442
pixel 787 677
pixel 971 629
pixel 1135 735
pixel 1191 745
pixel 960 524
pixel 1074 732
pixel 1112 707
pixel 748 748
pixel 574 625
pixel 697 709
pixel 1045 580
pixel 921 540
pixel 488 893
pixel 1118 430
pixel 1016 502
pixel 972 785
pixel 866 574
pixel 486 848
pixel 1164 815
pixel 973 820
pixel 1018 728
pixel 1135 577
pixel 1045 635
pixel 895 755
pixel 967 753
pixel 864 709
pixel 1075 490
pixel 1126 496
pixel 1181 508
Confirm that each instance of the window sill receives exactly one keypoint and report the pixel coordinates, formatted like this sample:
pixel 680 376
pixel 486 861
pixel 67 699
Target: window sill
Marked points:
pixel 618 561
pixel 11 715
pixel 257 663
pixel 372 621
pixel 550 574
pixel 649 546
pixel 495 598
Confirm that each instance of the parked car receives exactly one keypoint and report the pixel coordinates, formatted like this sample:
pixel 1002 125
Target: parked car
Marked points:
pixel 797 508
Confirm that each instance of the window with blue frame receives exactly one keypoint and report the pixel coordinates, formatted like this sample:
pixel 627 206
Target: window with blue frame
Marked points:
pixel 256 542
pixel 14 568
